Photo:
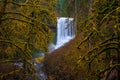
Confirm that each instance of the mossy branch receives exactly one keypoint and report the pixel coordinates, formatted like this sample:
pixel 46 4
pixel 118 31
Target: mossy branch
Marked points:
pixel 101 51
pixel 18 13
pixel 108 14
pixel 26 55
pixel 85 39
pixel 21 4
pixel 109 68
pixel 21 14
pixel 27 22
pixel 102 45
pixel 102 11
pixel 11 18
pixel 7 61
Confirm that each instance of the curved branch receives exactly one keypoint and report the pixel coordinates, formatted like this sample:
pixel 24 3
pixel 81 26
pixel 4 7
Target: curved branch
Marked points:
pixel 6 61
pixel 37 26
pixel 100 52
pixel 85 39
pixel 21 4
pixel 102 45
pixel 18 13
pixel 109 68
pixel 109 39
pixel 107 15
pixel 16 20
pixel 25 55
pixel 102 11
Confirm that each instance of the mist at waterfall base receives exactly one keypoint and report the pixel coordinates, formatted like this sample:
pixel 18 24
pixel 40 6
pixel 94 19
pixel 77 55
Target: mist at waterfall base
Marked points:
pixel 65 32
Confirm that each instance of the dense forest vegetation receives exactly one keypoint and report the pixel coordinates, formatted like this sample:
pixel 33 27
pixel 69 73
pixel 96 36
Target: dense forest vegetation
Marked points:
pixel 25 29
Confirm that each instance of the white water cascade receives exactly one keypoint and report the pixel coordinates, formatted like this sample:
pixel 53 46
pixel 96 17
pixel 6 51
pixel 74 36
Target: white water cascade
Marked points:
pixel 65 31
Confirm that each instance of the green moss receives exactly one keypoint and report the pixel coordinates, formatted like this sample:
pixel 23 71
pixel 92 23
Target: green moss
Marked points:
pixel 52 37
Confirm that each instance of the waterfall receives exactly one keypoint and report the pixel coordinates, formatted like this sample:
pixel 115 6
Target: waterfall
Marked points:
pixel 65 31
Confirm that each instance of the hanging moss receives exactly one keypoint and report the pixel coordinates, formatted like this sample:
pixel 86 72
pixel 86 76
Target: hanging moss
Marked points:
pixel 24 27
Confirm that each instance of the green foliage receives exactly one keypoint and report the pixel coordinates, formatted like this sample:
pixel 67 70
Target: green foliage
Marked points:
pixel 102 35
pixel 53 35
pixel 23 28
